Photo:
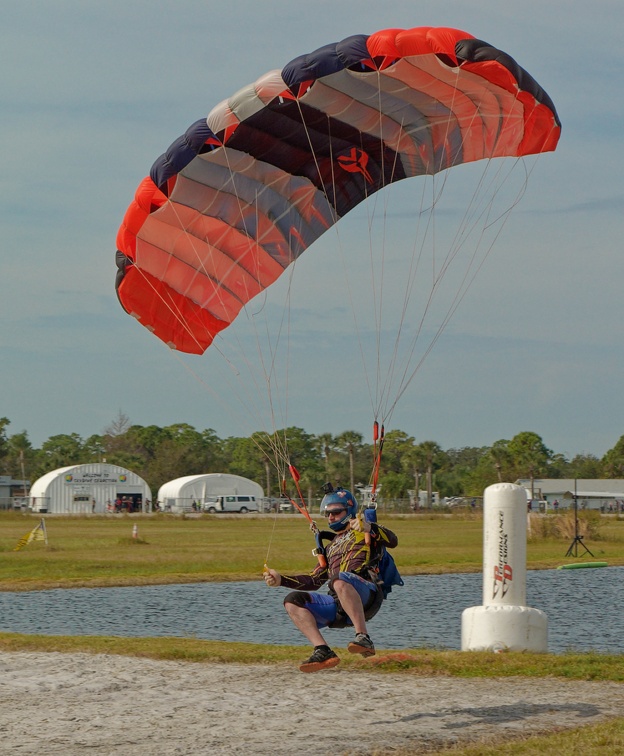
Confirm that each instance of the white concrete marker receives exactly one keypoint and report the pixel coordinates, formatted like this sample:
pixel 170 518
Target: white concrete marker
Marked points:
pixel 504 623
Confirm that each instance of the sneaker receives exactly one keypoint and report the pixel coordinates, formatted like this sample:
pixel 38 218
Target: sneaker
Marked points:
pixel 322 658
pixel 362 645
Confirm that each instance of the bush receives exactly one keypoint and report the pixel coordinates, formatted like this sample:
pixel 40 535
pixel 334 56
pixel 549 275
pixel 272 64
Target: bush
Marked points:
pixel 563 527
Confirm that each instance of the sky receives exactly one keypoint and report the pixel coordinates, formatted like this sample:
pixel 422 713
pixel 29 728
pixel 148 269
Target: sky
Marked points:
pixel 93 93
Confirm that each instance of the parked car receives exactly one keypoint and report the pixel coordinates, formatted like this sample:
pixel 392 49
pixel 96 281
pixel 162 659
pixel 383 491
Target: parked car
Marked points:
pixel 235 503
pixel 270 504
pixel 286 506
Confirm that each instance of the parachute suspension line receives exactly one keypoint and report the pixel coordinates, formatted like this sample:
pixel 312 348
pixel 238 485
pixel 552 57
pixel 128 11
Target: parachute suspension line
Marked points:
pixel 462 235
pixel 269 369
pixel 378 301
pixel 270 544
pixel 250 404
pixel 384 387
pixel 377 262
pixel 272 446
pixel 384 370
pixel 302 508
pixel 378 442
pixel 331 205
pixel 375 396
pixel 247 410
pixel 447 160
pixel 410 282
pixel 437 274
pixel 384 392
pixel 339 242
pixel 277 400
pixel 468 280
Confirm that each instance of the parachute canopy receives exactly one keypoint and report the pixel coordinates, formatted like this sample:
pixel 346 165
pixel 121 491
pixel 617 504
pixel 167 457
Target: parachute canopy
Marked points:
pixel 236 199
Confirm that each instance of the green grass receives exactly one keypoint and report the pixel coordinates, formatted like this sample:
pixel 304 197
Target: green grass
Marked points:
pixel 605 739
pixel 416 662
pixel 100 551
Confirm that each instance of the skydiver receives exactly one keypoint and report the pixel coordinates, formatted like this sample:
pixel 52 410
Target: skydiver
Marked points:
pixel 353 597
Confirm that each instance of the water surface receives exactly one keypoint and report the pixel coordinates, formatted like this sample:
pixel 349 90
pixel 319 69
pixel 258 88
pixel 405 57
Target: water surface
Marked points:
pixel 584 609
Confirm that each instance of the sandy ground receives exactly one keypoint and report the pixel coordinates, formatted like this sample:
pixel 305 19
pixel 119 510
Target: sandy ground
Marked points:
pixel 78 703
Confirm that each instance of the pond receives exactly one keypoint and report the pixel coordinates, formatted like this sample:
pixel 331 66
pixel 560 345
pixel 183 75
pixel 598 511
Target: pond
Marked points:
pixel 584 609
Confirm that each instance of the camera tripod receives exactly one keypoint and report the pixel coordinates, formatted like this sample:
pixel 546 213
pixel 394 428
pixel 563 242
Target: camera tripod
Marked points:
pixel 578 539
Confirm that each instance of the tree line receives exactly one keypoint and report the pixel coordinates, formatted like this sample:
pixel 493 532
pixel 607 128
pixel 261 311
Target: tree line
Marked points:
pixel 161 454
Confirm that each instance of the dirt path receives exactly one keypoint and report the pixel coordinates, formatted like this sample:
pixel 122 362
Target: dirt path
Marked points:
pixel 74 704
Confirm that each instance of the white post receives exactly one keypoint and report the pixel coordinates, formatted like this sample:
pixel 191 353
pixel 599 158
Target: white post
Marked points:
pixel 504 622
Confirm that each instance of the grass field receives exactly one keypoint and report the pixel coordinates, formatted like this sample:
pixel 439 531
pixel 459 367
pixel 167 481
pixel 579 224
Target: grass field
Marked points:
pixel 100 551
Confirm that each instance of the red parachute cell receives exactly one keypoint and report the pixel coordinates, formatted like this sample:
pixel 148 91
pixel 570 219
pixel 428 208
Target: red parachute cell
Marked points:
pixel 243 193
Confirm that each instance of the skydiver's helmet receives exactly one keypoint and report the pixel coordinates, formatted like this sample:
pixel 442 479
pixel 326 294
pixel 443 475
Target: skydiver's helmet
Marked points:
pixel 344 498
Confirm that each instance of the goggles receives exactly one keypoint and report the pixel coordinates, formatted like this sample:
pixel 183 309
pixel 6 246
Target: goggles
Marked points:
pixel 330 512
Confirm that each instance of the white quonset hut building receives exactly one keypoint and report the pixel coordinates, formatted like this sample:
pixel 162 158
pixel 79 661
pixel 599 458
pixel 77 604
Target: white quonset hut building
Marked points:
pixel 180 494
pixel 93 488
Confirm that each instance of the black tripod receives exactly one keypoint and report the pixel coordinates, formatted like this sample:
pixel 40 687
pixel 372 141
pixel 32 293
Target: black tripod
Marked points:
pixel 578 539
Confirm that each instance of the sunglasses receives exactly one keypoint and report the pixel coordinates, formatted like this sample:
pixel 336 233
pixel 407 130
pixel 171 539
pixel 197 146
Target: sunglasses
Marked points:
pixel 329 512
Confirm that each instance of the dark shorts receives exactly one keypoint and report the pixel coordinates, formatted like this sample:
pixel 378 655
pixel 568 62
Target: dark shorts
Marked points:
pixel 324 608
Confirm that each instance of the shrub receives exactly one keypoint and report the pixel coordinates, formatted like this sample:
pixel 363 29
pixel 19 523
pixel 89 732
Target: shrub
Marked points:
pixel 563 526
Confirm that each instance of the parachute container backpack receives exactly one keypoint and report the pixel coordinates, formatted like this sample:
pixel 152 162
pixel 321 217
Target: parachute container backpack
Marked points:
pixel 244 192
pixel 388 573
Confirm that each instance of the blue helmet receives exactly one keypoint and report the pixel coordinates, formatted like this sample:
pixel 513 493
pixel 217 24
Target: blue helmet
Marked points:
pixel 345 499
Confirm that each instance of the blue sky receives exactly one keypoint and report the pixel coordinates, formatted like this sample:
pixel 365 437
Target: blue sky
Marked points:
pixel 94 92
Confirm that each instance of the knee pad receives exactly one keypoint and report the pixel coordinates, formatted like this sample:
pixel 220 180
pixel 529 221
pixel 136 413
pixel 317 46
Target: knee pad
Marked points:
pixel 298 598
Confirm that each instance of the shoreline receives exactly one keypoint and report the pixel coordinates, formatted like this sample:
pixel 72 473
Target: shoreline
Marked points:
pixel 20 586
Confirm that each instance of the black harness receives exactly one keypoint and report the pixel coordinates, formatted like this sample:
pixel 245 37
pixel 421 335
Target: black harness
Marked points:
pixel 368 572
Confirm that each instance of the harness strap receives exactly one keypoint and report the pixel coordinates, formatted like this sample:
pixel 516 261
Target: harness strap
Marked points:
pixel 373 605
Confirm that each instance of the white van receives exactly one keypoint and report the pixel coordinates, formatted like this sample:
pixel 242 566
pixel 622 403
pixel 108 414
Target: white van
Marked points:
pixel 236 503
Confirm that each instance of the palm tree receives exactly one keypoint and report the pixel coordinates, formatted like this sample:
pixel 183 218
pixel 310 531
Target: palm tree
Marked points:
pixel 613 460
pixel 414 461
pixel 350 441
pixel 500 456
pixel 530 455
pixel 326 443
pixel 431 452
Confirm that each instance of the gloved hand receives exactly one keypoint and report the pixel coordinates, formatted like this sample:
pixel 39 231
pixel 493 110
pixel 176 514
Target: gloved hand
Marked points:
pixel 360 524
pixel 271 577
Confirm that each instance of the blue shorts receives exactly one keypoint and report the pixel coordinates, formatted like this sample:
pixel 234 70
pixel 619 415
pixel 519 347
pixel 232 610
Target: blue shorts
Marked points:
pixel 324 608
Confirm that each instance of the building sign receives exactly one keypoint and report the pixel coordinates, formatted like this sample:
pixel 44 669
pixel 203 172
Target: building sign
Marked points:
pixel 94 478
